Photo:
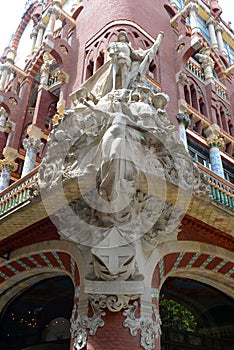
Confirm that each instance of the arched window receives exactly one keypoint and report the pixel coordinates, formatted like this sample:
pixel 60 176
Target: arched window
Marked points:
pixel 202 107
pixel 223 119
pixel 89 69
pixel 187 95
pixel 100 60
pixel 194 97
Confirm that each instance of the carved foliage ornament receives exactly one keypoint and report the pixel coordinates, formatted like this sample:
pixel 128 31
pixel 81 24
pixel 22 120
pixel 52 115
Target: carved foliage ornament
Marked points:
pixel 149 327
pixel 80 325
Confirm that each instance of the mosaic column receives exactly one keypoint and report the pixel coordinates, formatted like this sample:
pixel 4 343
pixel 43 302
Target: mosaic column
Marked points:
pixel 215 142
pixel 184 121
pixel 32 145
pixel 7 165
pixel 211 25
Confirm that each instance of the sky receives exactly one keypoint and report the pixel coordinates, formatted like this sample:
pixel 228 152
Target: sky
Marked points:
pixel 11 12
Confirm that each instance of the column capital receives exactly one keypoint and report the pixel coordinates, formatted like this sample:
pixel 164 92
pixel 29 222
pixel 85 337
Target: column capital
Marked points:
pixel 34 33
pixel 39 26
pixel 211 20
pixel 11 55
pixel 31 142
pixel 8 164
pixel 218 27
pixel 213 136
pixel 35 132
pixel 52 10
pixel 10 153
pixel 192 6
pixel 184 119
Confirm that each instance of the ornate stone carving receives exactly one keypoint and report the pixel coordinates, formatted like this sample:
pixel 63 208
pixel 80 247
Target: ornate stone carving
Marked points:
pixel 119 150
pixel 184 119
pixel 127 63
pixel 34 190
pixel 80 324
pixel 182 78
pixel 45 68
pixel 112 264
pixel 113 303
pixel 207 63
pixel 32 142
pixel 213 136
pixel 149 327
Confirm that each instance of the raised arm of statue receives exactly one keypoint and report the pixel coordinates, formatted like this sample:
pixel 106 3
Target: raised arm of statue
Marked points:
pixel 150 55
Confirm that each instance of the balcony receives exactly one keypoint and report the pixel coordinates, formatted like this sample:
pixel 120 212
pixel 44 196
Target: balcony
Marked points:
pixel 194 67
pixel 222 191
pixel 18 194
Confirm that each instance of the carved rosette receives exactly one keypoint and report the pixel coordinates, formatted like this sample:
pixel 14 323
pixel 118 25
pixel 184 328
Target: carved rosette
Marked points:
pixel 148 326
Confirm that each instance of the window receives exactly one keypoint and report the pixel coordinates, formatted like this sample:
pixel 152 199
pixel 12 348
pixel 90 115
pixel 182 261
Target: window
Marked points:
pixel 199 157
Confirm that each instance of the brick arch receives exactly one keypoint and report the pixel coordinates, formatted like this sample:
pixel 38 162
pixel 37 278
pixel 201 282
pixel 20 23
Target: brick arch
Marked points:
pixel 17 284
pixel 23 24
pixel 36 261
pixel 214 268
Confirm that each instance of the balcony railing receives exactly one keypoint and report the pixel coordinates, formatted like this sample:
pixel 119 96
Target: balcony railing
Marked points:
pixel 220 90
pixel 221 190
pixel 195 68
pixel 18 194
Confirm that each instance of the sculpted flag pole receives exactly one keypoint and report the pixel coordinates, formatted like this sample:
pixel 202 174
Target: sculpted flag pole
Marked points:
pixel 150 55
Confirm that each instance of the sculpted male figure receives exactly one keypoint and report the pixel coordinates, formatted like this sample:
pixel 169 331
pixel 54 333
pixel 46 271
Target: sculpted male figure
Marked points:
pixel 127 61
pixel 122 55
